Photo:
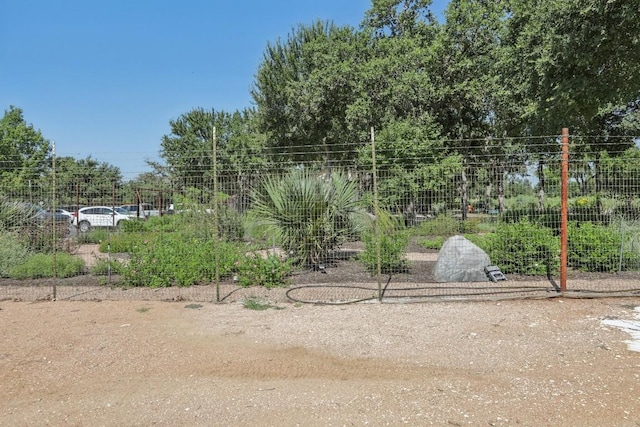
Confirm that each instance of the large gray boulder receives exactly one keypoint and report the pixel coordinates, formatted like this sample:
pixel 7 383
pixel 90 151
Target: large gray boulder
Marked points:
pixel 459 260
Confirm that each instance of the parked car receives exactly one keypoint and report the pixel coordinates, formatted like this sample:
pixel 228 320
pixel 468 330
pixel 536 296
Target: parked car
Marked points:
pixel 99 216
pixel 138 211
pixel 41 215
pixel 65 213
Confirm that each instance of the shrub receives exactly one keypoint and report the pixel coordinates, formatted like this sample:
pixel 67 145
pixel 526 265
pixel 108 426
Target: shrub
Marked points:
pixel 124 242
pixel 106 267
pixel 201 222
pixel 447 226
pixel 44 236
pixel 435 243
pixel 269 271
pixel 310 215
pixel 230 224
pixel 177 260
pixel 522 248
pixel 257 231
pixel 442 225
pixel 393 245
pixel 630 233
pixel 41 265
pixel 549 218
pixel 96 235
pixel 593 247
pixel 133 225
pixel 470 225
pixel 12 252
pixel 165 223
pixel 31 225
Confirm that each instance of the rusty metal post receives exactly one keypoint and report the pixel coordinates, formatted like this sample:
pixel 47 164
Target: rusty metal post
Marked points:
pixel 564 210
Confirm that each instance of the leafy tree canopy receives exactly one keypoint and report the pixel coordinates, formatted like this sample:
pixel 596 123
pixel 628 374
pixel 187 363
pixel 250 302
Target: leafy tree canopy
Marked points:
pixel 86 182
pixel 24 152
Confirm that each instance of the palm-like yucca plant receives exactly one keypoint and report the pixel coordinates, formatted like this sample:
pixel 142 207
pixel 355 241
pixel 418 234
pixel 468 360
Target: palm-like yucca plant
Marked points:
pixel 311 215
pixel 13 214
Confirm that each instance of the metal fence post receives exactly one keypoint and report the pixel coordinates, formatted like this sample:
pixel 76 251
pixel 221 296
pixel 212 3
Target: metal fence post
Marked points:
pixel 564 210
pixel 376 213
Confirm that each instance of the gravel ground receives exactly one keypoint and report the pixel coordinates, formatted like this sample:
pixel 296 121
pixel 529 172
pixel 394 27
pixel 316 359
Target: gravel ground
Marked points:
pixel 527 362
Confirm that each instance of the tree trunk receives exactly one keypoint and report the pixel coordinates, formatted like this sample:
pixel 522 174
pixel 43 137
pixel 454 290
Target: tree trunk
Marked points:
pixel 487 197
pixel 464 193
pixel 598 182
pixel 541 185
pixel 501 200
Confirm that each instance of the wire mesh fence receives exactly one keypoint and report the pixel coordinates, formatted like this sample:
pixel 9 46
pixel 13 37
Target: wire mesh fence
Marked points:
pixel 392 221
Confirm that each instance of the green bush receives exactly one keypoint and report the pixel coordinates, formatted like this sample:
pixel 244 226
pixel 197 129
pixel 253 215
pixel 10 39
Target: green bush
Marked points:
pixel 269 271
pixel 394 239
pixel 133 225
pixel 479 240
pixel 104 267
pixel 549 218
pixel 522 248
pixel 470 225
pixel 165 223
pixel 172 259
pixel 310 215
pixel 96 235
pixel 442 225
pixel 124 242
pixel 435 243
pixel 41 265
pixel 44 236
pixel 593 247
pixel 630 232
pixel 582 210
pixel 258 232
pixel 230 224
pixel 12 252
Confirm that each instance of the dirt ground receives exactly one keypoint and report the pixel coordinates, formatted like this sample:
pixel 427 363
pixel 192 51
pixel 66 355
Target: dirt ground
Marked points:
pixel 113 363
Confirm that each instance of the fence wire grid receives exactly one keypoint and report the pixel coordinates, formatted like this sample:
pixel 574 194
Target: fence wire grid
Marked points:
pixel 389 221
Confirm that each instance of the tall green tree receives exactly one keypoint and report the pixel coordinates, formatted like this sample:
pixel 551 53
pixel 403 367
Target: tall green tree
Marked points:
pixel 396 79
pixel 85 182
pixel 415 171
pixel 303 88
pixel 474 104
pixel 397 95
pixel 397 18
pixel 188 149
pixel 578 57
pixel 240 151
pixel 24 152
pixel 574 63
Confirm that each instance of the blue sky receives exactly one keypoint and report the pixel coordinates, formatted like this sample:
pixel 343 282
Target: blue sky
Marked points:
pixel 103 78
